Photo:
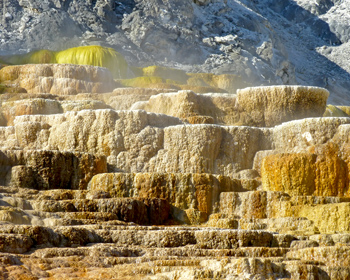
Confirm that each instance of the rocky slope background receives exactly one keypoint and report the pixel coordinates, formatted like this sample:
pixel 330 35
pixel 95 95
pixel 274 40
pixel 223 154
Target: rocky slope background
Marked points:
pixel 289 42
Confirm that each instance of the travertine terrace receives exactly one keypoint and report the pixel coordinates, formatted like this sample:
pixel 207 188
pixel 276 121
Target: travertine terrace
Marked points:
pixel 101 182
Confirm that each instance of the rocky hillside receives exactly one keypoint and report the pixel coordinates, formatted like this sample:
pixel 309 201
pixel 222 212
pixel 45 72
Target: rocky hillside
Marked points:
pixel 99 181
pixel 266 43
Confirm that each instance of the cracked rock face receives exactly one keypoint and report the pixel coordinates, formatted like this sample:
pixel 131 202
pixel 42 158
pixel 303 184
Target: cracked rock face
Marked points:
pixel 177 185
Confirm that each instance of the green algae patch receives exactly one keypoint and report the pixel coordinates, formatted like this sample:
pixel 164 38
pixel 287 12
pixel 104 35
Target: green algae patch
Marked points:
pixel 96 56
pixel 336 111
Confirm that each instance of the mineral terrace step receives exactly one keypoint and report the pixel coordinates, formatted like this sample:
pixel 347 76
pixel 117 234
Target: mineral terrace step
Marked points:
pixel 130 252
pixel 140 210
pixel 167 237
pixel 91 261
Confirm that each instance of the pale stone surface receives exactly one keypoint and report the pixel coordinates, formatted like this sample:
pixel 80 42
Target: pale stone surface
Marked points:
pixel 331 256
pixel 187 104
pixel 60 79
pixel 80 105
pixel 29 107
pixel 297 136
pixel 124 98
pixel 8 137
pixel 209 149
pixel 270 106
pixel 137 141
pixel 116 134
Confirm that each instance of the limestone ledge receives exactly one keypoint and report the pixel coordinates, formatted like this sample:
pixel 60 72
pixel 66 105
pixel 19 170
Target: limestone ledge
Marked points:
pixel 187 193
pixel 306 174
pixel 61 79
pixel 273 105
pixel 298 135
pixel 41 106
pixel 186 105
pixel 256 106
pixel 136 141
pixel 145 236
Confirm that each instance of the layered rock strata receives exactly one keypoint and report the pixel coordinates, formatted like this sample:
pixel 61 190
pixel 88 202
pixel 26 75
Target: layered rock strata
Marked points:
pixel 92 192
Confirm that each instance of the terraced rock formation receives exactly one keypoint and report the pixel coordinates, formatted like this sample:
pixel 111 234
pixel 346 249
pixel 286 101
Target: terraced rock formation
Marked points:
pixel 137 183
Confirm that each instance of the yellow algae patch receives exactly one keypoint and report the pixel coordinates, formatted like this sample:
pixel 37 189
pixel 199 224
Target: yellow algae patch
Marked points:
pixel 329 218
pixel 2 88
pixel 290 173
pixel 96 56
